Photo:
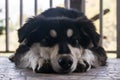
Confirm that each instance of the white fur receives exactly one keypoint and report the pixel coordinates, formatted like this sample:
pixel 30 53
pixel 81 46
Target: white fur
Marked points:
pixel 37 55
pixel 89 57
pixel 32 58
pixel 75 54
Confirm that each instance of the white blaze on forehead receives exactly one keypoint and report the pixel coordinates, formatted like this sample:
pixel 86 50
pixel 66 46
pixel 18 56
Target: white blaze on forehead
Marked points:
pixel 53 33
pixel 69 32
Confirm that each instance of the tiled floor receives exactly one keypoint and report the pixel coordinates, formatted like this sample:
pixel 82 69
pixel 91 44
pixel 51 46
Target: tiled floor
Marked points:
pixel 8 71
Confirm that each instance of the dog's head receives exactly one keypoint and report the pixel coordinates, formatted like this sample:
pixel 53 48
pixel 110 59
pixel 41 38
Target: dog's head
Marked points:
pixel 62 40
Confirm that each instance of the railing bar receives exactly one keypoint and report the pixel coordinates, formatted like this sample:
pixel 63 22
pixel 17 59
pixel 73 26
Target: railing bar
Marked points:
pixel 111 51
pixel 118 28
pixel 21 12
pixel 67 4
pixel 35 7
pixel 51 3
pixel 6 25
pixel 83 6
pixel 7 52
pixel 101 21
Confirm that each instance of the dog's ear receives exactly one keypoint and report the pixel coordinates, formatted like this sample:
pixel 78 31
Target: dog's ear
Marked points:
pixel 35 36
pixel 28 27
pixel 87 33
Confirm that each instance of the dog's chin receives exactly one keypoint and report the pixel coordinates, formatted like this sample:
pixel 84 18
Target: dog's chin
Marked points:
pixel 64 71
pixel 47 68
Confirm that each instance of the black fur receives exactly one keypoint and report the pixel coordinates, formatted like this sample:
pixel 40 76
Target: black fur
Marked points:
pixel 37 30
pixel 101 54
pixel 81 67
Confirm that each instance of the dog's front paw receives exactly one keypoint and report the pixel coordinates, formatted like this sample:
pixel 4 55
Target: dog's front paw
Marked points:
pixel 36 65
pixel 37 69
pixel 45 68
pixel 82 67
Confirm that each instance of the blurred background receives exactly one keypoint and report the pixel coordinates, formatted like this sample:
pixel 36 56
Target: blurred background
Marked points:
pixel 91 9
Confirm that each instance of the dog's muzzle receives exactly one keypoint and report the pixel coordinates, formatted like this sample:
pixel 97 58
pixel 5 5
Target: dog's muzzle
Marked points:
pixel 65 62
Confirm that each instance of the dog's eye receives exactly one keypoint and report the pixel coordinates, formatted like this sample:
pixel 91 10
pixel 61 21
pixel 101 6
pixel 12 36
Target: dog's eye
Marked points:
pixel 74 42
pixel 47 42
pixel 43 40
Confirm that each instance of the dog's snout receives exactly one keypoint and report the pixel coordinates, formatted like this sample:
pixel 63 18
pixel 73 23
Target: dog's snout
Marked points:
pixel 65 62
pixel 63 48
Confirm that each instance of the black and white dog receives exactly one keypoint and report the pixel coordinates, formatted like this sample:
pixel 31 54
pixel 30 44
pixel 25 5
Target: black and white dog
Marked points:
pixel 59 40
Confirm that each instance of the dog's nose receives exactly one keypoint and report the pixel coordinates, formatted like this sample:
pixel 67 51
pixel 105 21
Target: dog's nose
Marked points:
pixel 65 62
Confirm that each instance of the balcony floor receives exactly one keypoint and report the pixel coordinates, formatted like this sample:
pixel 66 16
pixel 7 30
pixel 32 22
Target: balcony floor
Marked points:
pixel 8 71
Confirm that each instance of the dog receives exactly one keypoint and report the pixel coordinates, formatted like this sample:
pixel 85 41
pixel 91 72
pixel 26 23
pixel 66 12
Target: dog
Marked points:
pixel 59 40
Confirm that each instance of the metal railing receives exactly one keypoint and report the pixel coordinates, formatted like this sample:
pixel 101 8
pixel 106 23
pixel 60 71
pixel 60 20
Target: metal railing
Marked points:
pixel 118 29
pixel 7 25
pixel 66 4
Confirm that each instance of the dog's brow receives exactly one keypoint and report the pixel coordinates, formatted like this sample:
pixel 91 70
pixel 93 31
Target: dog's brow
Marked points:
pixel 53 33
pixel 69 32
